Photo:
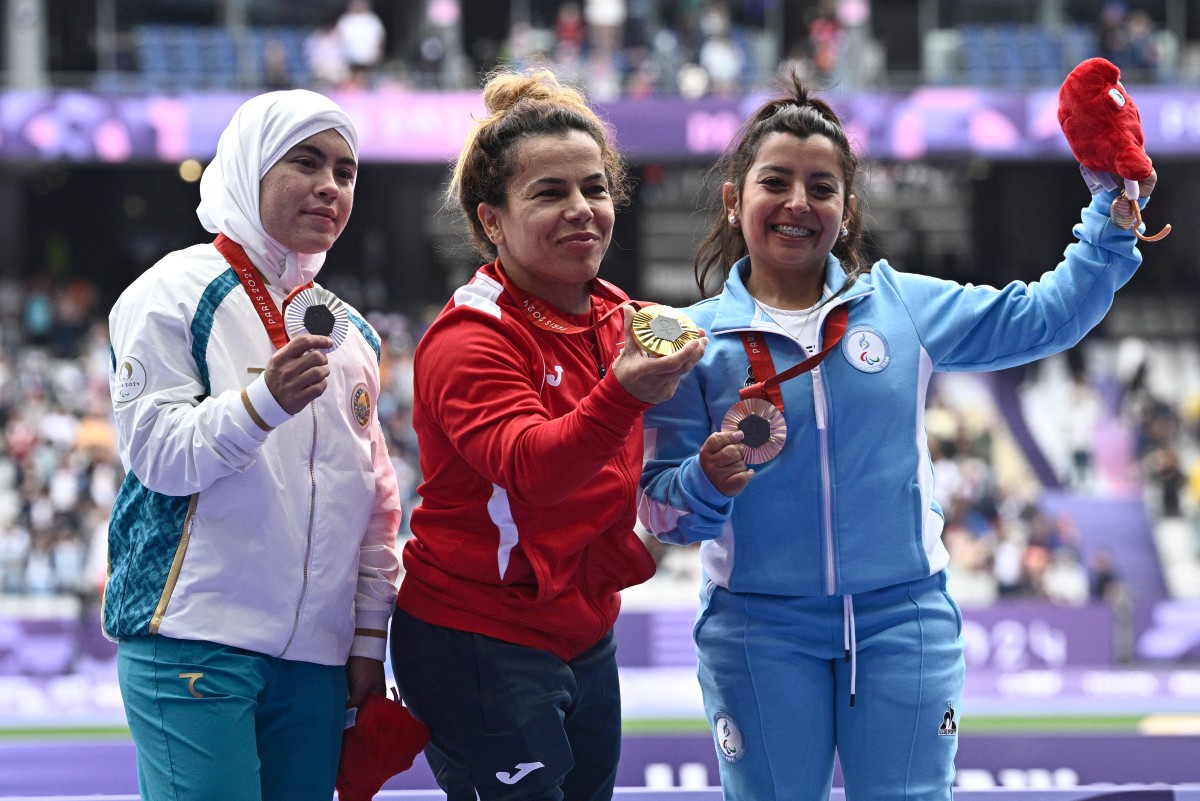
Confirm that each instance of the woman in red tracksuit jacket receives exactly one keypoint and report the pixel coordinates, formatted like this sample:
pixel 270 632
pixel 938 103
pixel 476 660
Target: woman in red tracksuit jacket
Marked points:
pixel 528 417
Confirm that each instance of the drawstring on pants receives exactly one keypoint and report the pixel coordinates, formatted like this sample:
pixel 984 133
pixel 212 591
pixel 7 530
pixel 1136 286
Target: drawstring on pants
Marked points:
pixel 850 641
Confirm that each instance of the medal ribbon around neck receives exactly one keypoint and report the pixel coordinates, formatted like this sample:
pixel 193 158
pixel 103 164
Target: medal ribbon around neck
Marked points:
pixel 256 287
pixel 548 318
pixel 649 338
pixel 759 413
pixel 767 387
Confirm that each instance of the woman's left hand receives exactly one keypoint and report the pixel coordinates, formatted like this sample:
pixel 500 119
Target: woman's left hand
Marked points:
pixel 364 676
pixel 1147 184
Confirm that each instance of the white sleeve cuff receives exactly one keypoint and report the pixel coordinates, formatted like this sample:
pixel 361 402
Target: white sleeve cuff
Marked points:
pixel 261 406
pixel 370 635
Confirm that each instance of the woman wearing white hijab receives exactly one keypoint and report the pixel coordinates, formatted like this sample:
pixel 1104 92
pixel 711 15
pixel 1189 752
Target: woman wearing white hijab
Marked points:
pixel 252 545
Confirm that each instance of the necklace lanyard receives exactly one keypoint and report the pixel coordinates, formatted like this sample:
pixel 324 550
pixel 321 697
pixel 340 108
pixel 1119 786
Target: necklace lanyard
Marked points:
pixel 256 287
pixel 547 318
pixel 767 386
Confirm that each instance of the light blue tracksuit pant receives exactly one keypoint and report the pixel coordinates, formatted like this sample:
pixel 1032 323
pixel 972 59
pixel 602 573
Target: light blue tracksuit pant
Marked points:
pixel 777 674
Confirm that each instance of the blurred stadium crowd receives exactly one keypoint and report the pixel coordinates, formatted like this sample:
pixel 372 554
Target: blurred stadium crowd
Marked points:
pixel 614 48
pixel 1113 420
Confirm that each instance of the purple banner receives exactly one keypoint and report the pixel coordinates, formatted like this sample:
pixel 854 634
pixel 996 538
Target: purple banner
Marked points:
pixel 1117 690
pixel 1173 633
pixel 1021 636
pixel 425 127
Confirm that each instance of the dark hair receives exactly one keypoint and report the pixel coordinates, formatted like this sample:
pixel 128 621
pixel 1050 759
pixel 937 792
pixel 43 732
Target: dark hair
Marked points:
pixel 794 112
pixel 520 105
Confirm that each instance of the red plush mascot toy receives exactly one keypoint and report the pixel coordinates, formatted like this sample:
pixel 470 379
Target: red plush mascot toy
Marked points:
pixel 1104 129
pixel 383 741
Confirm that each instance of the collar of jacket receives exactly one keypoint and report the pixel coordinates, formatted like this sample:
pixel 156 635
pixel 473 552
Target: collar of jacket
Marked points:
pixel 737 311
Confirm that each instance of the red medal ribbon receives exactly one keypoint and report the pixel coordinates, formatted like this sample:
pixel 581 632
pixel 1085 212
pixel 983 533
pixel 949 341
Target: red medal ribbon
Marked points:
pixel 548 318
pixel 256 288
pixel 767 385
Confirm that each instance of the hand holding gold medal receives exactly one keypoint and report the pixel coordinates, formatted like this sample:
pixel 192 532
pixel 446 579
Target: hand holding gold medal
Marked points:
pixel 668 345
pixel 663 330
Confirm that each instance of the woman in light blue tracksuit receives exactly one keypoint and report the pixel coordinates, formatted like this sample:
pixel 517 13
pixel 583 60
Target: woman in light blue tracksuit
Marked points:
pixel 825 623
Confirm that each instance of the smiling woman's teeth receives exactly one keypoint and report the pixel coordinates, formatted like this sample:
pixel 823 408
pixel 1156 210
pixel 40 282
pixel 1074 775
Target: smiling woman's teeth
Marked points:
pixel 793 231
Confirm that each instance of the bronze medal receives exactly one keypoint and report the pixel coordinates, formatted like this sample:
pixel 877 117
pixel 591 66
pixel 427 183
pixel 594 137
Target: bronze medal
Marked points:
pixel 662 330
pixel 317 311
pixel 762 426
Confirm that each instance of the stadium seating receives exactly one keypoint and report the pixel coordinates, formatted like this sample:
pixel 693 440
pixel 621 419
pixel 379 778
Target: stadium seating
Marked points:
pixel 1011 56
pixel 190 57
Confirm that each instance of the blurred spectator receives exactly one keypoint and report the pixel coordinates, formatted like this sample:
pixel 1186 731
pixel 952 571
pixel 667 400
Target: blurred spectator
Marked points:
pixel 720 56
pixel 825 38
pixel 430 58
pixel 72 315
pixel 569 66
pixel 605 24
pixel 1113 32
pixel 568 25
pixel 362 36
pixel 40 577
pixel 325 57
pixel 1144 56
pixel 1166 476
pixel 68 557
pixel 1007 565
pixel 1105 584
pixel 1084 412
pixel 972 582
pixel 1128 39
pixel 1065 580
pixel 14 552
pixel 277 72
pixel 604 80
pixel 37 314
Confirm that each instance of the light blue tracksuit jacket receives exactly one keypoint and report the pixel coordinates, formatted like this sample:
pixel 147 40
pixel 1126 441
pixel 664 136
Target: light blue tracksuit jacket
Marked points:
pixel 848 505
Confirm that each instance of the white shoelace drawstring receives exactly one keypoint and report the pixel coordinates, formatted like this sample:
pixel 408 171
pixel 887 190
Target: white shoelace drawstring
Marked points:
pixel 850 641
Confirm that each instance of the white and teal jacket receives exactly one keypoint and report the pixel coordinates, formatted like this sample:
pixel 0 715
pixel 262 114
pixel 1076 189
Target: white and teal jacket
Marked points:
pixel 238 523
pixel 848 505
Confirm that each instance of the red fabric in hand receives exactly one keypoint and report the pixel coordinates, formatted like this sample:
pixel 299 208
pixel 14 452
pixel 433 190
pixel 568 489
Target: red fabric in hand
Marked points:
pixel 384 741
pixel 1101 122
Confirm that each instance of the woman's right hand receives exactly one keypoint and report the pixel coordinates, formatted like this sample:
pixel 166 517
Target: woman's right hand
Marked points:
pixel 723 460
pixel 653 379
pixel 298 373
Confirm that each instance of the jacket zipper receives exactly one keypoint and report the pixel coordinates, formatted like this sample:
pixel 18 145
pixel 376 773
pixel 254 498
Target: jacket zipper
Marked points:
pixel 312 514
pixel 600 360
pixel 160 610
pixel 820 410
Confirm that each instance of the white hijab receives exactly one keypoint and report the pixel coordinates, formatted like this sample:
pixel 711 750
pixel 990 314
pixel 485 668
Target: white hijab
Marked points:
pixel 262 130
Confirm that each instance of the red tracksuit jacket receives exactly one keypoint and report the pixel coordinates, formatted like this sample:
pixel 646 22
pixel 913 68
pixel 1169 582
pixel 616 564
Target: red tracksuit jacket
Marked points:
pixel 530 460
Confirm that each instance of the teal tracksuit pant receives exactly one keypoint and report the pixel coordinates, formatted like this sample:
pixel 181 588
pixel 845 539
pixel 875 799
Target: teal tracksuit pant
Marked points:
pixel 215 723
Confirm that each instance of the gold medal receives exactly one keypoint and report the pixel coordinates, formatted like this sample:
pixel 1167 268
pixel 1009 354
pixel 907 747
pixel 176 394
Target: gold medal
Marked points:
pixel 317 311
pixel 762 425
pixel 662 330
